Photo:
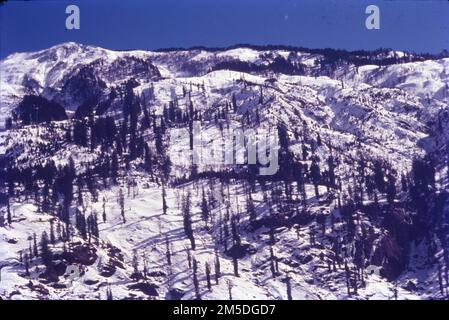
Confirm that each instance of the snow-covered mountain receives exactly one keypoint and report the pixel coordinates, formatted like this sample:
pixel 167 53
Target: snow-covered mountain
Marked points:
pixel 91 132
pixel 72 74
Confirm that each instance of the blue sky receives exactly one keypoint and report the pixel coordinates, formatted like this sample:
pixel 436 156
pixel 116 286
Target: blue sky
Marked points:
pixel 414 25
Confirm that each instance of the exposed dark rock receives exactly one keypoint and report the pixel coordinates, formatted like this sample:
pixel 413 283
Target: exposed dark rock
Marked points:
pixel 175 294
pixel 58 286
pixel 390 256
pixel 240 251
pixel 108 269
pixel 156 274
pixel 36 109
pixel 49 276
pixel 411 286
pixel 303 218
pixel 81 253
pixel 148 288
pixel 39 288
pixel 304 258
pixel 60 268
pixel 90 282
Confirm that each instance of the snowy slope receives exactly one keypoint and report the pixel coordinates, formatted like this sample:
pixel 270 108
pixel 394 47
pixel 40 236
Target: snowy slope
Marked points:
pixel 365 113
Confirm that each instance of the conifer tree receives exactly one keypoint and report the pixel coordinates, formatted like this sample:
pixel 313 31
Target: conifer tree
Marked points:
pixel 250 208
pixel 81 224
pixel 167 252
pixel 235 232
pixel 46 254
pixel 195 280
pixel 35 250
pixel 235 264
pixel 315 174
pixel 391 188
pixel 109 295
pixel 164 199
pixel 440 280
pixel 104 210
pixel 379 177
pixel 145 266
pixel 188 221
pixel 217 267
pixel 52 232
pixel 30 251
pixel 8 212
pixel 121 200
pixel 135 264
pixel 229 284
pixel 272 262
pixel 114 167
pixel 27 264
pixel 204 207
pixel 209 285
pixel 289 287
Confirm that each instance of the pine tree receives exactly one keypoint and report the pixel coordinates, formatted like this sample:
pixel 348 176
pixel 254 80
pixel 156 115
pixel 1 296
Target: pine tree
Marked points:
pixel 8 208
pixel 379 177
pixel 52 232
pixel 81 224
pixel 195 280
pixel 229 283
pixel 404 183
pixel 331 165
pixel 250 208
pixel 92 226
pixel 148 162
pixel 167 254
pixel 235 264
pixel 104 210
pixel 35 251
pixel 348 279
pixel 423 172
pixel 188 221
pixel 204 207
pixel 189 258
pixel 164 199
pixel 122 204
pixel 109 294
pixel 30 250
pixel 440 280
pixel 135 265
pixel 225 234
pixel 145 266
pixel 209 286
pixel 80 192
pixel 217 267
pixel 45 251
pixel 315 174
pixel 27 264
pixel 114 167
pixel 235 233
pixel 289 287
pixel 391 188
pixel 272 262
